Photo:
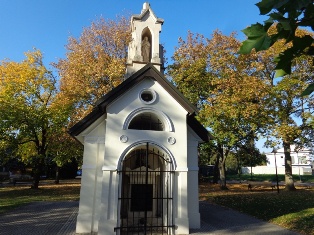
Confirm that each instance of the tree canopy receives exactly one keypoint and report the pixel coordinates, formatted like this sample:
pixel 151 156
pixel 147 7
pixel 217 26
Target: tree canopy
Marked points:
pixel 239 96
pixel 95 63
pixel 31 110
pixel 224 87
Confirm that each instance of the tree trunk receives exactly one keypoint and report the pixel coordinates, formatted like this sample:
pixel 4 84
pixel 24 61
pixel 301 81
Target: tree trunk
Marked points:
pixel 216 170
pixel 222 168
pixel 35 181
pixel 37 170
pixel 57 179
pixel 36 177
pixel 239 167
pixel 222 171
pixel 288 167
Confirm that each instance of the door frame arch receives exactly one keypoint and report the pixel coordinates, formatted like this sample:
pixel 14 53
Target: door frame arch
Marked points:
pixel 162 195
pixel 143 142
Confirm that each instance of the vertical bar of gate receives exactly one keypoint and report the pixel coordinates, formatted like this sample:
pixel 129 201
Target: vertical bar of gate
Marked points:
pixel 163 172
pixel 168 201
pixel 146 182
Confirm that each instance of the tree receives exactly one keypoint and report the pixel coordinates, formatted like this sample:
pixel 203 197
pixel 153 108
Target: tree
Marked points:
pixel 287 16
pixel 30 109
pixel 8 144
pixel 239 96
pixel 95 63
pixel 290 112
pixel 248 155
pixel 64 149
pixel 223 86
pixel 208 155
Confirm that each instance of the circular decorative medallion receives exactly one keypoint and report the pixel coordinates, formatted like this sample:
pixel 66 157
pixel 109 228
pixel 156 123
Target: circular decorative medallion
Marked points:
pixel 171 140
pixel 147 96
pixel 124 138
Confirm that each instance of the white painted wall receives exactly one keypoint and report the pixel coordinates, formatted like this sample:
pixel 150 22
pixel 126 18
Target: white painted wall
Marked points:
pixel 90 194
pixel 193 190
pixel 302 157
pixel 117 113
pixel 302 163
pixel 103 149
pixel 296 170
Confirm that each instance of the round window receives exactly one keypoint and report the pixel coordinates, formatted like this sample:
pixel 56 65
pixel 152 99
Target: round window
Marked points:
pixel 148 96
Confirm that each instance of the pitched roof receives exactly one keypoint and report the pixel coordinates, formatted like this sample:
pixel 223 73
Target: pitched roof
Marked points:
pixel 147 71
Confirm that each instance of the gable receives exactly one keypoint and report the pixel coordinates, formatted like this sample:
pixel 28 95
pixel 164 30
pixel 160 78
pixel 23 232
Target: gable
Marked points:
pixel 147 71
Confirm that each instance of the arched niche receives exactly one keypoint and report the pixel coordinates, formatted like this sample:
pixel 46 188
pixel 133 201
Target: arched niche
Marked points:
pixel 152 115
pixel 146 47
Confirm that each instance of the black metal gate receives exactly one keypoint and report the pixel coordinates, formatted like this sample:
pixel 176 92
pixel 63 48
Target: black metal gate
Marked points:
pixel 145 197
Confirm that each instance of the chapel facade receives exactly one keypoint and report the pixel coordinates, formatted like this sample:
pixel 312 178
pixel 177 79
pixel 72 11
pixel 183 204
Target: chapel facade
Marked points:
pixel 140 163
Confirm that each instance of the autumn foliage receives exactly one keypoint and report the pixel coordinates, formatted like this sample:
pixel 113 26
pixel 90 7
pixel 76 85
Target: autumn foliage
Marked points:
pixel 239 96
pixel 31 110
pixel 95 63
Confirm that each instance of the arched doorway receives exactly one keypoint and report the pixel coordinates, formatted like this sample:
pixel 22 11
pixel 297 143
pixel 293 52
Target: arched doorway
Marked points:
pixel 146 197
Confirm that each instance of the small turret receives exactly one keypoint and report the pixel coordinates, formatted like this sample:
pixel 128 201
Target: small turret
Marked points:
pixel 145 47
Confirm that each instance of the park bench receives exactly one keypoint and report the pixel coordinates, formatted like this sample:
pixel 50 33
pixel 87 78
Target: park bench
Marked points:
pixel 255 184
pixel 20 178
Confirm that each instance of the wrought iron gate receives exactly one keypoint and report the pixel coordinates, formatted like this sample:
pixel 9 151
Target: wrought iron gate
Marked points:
pixel 145 197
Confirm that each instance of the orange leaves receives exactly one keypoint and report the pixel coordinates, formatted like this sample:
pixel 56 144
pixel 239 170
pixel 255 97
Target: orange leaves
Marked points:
pixel 227 87
pixel 27 78
pixel 239 92
pixel 95 62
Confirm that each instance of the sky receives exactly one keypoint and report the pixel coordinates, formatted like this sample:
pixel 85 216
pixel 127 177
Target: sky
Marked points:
pixel 47 24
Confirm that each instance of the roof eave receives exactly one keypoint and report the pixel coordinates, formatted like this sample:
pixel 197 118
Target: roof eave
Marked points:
pixel 199 129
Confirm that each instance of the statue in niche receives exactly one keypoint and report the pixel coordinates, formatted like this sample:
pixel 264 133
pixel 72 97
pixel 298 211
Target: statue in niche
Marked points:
pixel 145 49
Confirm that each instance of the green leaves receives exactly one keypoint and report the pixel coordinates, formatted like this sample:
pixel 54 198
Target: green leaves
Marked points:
pixel 308 19
pixel 266 6
pixel 308 90
pixel 284 60
pixel 30 105
pixel 257 38
pixel 287 15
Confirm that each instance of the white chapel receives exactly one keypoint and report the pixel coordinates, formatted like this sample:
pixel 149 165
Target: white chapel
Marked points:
pixel 140 163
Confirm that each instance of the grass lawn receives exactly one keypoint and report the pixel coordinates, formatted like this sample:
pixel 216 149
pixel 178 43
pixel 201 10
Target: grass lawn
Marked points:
pixel 14 196
pixel 292 210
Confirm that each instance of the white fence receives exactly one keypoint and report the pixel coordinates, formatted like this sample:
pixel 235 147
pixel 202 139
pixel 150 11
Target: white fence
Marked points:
pixel 280 170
